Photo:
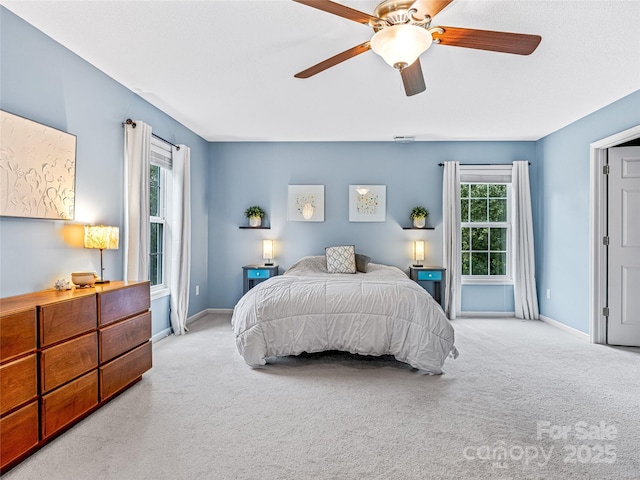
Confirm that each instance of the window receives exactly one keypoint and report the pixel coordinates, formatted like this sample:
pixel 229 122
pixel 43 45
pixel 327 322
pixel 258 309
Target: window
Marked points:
pixel 159 196
pixel 485 231
pixel 157 213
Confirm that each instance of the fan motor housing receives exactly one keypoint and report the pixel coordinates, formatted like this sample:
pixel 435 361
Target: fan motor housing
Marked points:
pixel 396 12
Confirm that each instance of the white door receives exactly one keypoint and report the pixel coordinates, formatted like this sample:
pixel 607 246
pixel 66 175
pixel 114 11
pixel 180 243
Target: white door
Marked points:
pixel 623 326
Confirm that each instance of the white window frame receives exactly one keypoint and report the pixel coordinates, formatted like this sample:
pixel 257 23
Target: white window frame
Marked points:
pixel 161 157
pixel 490 174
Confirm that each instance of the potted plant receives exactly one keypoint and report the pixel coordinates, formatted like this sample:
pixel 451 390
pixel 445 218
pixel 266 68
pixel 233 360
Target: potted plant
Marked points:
pixel 419 216
pixel 255 214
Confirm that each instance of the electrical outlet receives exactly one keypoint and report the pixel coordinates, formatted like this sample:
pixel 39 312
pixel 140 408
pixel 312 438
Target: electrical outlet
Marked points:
pixel 548 293
pixel 197 289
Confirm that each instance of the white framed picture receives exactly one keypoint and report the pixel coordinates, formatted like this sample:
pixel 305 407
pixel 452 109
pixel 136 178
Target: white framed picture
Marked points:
pixel 37 170
pixel 367 203
pixel 305 203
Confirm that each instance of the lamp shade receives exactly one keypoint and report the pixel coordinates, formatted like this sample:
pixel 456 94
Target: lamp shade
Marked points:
pixel 104 238
pixel 267 249
pixel 401 45
pixel 418 250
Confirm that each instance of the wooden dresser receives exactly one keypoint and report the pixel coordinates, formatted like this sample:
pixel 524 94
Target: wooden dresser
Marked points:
pixel 64 354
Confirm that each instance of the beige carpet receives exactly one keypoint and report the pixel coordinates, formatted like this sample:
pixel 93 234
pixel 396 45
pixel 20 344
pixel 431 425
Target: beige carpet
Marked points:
pixel 509 407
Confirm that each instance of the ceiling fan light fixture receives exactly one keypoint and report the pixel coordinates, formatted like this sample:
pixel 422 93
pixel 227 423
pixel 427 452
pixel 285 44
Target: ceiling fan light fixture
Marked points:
pixel 401 45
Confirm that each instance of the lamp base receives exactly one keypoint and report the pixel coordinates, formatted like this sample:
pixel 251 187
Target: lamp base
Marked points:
pixel 99 282
pixel 268 264
pixel 414 265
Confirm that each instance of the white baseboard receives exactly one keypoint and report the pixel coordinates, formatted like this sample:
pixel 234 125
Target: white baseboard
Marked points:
pixel 168 331
pixel 487 314
pixel 566 328
pixel 160 335
pixel 207 311
pixel 228 311
pixel 197 316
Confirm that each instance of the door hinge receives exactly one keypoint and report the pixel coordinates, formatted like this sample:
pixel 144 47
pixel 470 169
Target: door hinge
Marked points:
pixel 605 240
pixel 605 311
pixel 605 169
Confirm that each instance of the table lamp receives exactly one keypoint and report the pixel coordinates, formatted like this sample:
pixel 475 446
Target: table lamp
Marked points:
pixel 102 238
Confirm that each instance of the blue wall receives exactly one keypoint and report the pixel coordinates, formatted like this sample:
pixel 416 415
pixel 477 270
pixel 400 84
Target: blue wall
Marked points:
pixel 45 82
pixel 244 174
pixel 562 236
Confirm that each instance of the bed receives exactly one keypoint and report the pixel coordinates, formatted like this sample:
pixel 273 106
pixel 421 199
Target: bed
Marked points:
pixel 380 312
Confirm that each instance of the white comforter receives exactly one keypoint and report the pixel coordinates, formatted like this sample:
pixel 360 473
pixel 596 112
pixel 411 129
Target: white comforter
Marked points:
pixel 380 312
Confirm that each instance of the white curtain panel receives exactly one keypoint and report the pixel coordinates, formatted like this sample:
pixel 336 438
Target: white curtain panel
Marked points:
pixel 451 237
pixel 526 297
pixel 137 152
pixel 180 239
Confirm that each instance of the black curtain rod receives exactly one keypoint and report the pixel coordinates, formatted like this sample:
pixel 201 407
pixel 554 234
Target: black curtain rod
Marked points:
pixel 128 121
pixel 480 164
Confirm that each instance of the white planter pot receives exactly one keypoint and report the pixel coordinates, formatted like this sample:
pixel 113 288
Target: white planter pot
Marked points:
pixel 255 221
pixel 419 222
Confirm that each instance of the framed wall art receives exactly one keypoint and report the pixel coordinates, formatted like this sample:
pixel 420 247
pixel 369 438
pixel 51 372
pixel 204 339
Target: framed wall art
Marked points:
pixel 367 203
pixel 37 170
pixel 305 203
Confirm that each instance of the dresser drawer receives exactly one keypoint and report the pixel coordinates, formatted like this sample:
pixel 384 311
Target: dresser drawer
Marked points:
pixel 61 363
pixel 19 433
pixel 18 382
pixel 69 402
pixel 17 334
pixel 119 373
pixel 121 337
pixel 62 320
pixel 115 305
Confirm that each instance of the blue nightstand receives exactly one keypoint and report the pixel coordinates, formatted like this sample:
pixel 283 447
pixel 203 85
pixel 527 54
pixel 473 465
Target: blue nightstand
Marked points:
pixel 434 275
pixel 254 274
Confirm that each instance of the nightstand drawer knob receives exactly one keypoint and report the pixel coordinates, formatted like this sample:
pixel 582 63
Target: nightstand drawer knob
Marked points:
pixel 258 274
pixel 427 275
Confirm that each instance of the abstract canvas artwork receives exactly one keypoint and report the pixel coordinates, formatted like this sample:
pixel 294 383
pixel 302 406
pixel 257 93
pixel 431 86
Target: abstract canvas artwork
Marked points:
pixel 367 203
pixel 305 203
pixel 37 170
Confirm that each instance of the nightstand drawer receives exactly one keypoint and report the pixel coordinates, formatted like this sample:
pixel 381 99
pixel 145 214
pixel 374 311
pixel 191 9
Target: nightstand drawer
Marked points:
pixel 429 275
pixel 253 274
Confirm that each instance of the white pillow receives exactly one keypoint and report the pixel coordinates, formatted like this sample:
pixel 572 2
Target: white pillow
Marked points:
pixel 341 259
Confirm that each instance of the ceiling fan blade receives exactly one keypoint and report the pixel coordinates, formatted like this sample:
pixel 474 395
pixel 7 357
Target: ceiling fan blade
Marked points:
pixel 428 7
pixel 518 43
pixel 340 10
pixel 336 59
pixel 413 79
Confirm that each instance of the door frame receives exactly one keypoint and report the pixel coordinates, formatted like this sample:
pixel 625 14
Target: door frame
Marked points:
pixel 598 229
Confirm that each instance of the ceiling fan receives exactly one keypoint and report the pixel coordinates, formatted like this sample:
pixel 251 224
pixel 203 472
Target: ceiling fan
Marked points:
pixel 403 32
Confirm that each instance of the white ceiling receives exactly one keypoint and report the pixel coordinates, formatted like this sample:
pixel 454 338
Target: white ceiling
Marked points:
pixel 225 68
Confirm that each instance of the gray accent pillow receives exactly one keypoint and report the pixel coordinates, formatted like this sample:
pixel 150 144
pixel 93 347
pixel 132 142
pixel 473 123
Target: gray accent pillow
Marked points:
pixel 341 259
pixel 362 261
